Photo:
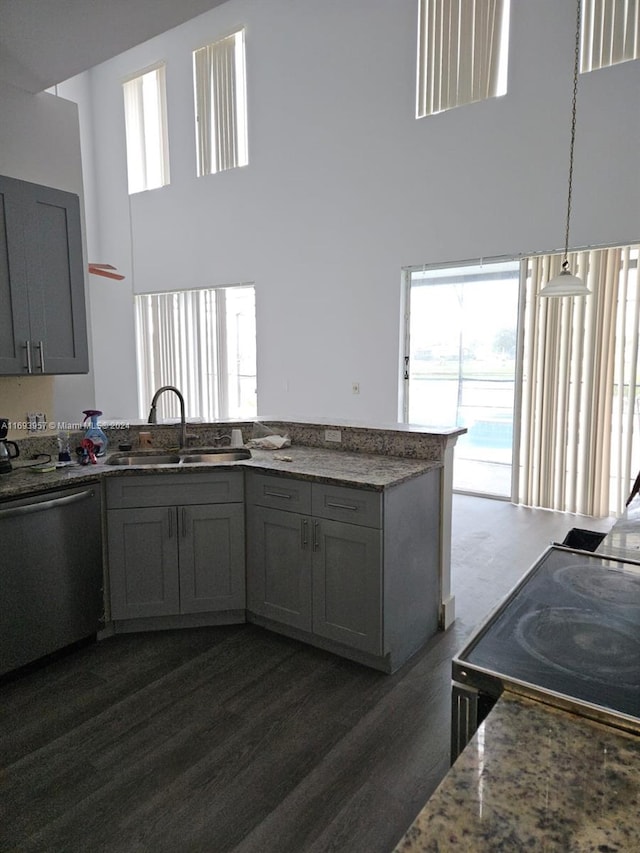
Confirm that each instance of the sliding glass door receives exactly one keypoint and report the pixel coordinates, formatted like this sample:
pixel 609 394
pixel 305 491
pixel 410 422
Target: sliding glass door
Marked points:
pixel 460 365
pixel 547 389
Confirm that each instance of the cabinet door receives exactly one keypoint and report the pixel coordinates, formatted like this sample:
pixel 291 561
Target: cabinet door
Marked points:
pixel 55 276
pixel 143 562
pixel 279 566
pixel 14 303
pixel 347 584
pixel 212 566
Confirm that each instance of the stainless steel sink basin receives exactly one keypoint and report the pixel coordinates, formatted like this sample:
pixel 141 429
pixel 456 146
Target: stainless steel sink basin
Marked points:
pixel 144 459
pixel 214 455
pixel 197 456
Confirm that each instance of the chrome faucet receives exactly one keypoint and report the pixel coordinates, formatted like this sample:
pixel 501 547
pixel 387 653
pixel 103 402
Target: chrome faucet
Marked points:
pixel 153 418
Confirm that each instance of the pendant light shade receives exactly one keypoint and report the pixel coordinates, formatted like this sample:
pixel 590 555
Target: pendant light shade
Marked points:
pixel 567 284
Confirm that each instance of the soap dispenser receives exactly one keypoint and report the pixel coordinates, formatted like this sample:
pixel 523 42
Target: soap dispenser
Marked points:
pixel 94 433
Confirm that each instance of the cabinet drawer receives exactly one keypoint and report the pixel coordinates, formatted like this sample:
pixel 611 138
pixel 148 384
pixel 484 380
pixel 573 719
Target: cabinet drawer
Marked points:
pixel 279 492
pixel 175 490
pixel 342 503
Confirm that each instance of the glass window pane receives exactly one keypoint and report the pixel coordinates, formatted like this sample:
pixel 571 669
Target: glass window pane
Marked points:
pixel 241 351
pixel 203 342
pixel 463 329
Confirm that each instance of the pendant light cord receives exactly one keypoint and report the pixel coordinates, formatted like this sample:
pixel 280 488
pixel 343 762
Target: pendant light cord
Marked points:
pixel 576 71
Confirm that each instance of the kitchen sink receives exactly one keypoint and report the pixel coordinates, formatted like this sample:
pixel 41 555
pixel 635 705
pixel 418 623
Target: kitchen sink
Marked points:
pixel 214 455
pixel 197 456
pixel 144 459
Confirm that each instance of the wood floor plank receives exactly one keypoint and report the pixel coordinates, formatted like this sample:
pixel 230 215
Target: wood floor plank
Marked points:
pixel 237 739
pixel 73 689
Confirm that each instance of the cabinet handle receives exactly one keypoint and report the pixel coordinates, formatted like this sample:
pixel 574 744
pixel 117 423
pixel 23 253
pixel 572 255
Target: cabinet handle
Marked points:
pixel 304 527
pixel 316 541
pixel 27 346
pixel 40 348
pixel 184 522
pixel 277 494
pixel 342 506
pixel 170 511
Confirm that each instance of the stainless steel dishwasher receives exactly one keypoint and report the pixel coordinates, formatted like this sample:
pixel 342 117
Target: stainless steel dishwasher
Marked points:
pixel 50 573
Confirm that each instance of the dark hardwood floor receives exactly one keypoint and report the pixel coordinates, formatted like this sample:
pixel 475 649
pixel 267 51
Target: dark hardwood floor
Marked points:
pixel 237 739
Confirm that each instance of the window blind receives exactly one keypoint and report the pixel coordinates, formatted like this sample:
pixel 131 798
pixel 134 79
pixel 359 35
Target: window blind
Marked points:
pixel 203 342
pixel 220 102
pixel 462 52
pixel 146 130
pixel 610 33
pixel 579 385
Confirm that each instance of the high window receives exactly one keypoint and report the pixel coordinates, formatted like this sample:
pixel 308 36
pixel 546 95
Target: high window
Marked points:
pixel 203 342
pixel 462 53
pixel 145 111
pixel 610 33
pixel 221 105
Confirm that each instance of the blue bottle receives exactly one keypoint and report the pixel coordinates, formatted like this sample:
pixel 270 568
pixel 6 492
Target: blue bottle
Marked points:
pixel 94 432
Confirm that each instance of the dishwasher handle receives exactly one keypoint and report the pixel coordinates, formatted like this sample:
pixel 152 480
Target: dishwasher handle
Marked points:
pixel 14 512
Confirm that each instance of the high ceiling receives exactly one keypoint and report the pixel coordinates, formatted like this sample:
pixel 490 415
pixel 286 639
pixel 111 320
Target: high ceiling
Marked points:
pixel 43 42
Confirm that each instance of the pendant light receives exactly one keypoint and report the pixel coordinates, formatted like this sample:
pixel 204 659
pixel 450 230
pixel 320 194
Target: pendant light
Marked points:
pixel 567 284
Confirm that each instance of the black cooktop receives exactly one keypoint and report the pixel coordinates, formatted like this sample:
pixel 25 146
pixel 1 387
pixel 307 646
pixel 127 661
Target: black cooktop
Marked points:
pixel 572 626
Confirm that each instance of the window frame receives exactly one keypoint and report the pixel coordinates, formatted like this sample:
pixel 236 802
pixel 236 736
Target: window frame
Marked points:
pixel 220 106
pixel 137 110
pixel 606 38
pixel 448 76
pixel 189 348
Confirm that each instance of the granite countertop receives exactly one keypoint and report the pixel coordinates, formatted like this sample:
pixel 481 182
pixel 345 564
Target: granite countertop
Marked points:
pixel 535 778
pixel 363 470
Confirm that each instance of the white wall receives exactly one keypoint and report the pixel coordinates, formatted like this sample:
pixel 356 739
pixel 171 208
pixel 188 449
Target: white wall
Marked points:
pixel 344 187
pixel 40 142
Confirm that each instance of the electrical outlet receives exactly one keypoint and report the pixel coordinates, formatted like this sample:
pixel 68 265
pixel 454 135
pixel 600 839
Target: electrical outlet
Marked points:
pixel 36 421
pixel 332 435
pixel 355 388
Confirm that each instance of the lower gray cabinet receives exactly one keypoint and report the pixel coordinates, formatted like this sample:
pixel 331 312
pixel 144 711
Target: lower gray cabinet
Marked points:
pixel 175 558
pixel 347 584
pixel 279 566
pixel 315 574
pixel 143 562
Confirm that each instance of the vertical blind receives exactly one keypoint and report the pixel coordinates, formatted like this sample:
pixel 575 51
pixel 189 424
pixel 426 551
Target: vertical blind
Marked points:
pixel 610 33
pixel 461 52
pixel 579 385
pixel 146 130
pixel 177 345
pixel 220 104
pixel 203 342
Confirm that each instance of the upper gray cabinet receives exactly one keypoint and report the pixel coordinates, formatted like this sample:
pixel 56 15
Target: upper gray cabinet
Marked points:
pixel 42 307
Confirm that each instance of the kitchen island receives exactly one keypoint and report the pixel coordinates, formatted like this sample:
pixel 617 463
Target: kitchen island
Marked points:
pixel 535 778
pixel 347 549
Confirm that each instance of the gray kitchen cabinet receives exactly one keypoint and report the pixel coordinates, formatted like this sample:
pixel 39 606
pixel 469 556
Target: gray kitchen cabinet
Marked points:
pixel 279 566
pixel 316 572
pixel 42 303
pixel 175 544
pixel 347 584
pixel 316 575
pixel 143 562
